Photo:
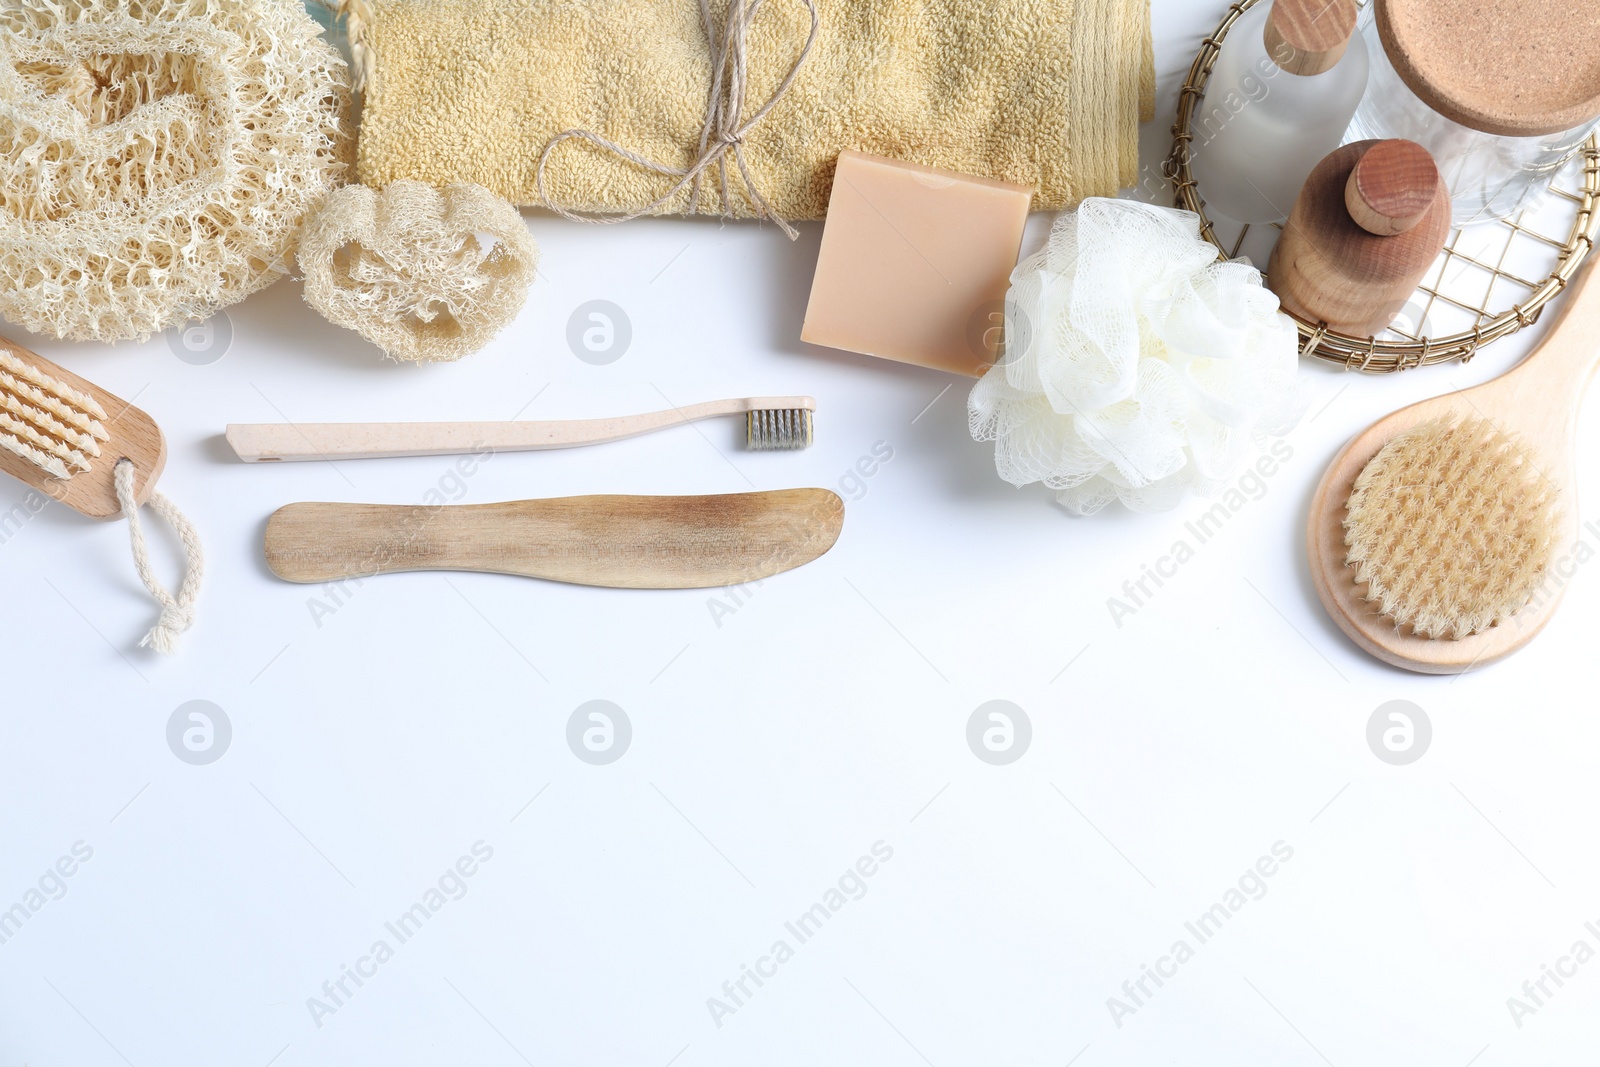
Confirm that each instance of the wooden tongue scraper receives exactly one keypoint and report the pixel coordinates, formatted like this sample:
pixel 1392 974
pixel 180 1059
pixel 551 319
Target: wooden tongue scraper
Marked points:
pixel 625 542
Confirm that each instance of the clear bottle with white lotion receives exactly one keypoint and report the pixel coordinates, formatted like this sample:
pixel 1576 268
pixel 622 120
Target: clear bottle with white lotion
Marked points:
pixel 1281 95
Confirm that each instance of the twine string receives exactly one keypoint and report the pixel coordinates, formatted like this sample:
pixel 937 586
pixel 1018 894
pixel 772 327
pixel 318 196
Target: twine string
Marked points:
pixel 177 612
pixel 357 16
pixel 723 131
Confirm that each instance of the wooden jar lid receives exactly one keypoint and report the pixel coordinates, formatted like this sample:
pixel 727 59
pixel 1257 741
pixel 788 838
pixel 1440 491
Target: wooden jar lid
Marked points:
pixel 1309 37
pixel 1515 68
pixel 1392 187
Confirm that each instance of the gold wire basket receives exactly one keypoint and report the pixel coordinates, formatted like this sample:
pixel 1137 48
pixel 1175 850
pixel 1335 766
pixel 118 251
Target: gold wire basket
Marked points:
pixel 1499 255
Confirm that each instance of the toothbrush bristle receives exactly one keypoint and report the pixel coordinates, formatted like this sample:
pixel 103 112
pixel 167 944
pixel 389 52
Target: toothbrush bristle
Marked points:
pixel 778 430
pixel 47 422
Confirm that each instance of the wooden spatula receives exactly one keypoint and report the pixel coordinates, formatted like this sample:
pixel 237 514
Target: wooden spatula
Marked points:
pixel 625 542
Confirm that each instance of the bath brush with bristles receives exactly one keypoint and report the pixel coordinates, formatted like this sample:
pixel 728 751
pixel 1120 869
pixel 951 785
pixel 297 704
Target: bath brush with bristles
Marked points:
pixel 1441 538
pixel 72 441
pixel 64 436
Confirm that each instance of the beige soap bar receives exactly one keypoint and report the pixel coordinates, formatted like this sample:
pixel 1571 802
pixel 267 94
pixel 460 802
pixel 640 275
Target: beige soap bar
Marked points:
pixel 915 263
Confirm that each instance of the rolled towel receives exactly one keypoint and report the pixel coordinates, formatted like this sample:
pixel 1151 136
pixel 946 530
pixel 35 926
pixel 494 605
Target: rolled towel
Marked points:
pixel 1047 95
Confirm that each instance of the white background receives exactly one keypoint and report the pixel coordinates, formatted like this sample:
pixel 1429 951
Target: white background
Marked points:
pixel 827 713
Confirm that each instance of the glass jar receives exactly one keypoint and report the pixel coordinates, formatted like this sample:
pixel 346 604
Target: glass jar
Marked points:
pixel 1490 176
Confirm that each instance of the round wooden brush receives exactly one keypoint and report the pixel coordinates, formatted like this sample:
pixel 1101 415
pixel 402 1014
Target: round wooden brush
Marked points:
pixel 1441 538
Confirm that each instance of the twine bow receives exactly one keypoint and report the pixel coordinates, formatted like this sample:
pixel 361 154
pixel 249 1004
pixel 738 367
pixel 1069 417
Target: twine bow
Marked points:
pixel 723 132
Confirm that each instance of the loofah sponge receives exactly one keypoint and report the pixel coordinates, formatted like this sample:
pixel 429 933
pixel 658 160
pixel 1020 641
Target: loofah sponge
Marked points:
pixel 158 156
pixel 1451 527
pixel 408 270
pixel 1138 367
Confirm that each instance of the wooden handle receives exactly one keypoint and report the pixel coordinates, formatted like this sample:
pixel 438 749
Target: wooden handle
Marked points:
pixel 1565 359
pixel 1542 397
pixel 625 542
pixel 291 443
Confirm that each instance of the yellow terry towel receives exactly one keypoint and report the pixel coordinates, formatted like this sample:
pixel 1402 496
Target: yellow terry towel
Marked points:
pixel 1044 93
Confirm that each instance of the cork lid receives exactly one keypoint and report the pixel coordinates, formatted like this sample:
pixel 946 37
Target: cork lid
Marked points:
pixel 1515 68
pixel 1309 37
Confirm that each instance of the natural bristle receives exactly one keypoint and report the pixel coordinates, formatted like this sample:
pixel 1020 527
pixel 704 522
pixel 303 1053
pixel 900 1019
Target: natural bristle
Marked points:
pixel 783 430
pixel 47 422
pixel 1451 527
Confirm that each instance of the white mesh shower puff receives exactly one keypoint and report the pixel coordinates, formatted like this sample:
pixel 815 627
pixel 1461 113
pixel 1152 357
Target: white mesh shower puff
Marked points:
pixel 157 156
pixel 1138 367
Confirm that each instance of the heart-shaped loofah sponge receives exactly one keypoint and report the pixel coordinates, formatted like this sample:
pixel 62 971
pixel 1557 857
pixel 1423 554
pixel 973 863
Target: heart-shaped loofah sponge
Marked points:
pixel 408 268
pixel 1451 527
pixel 157 156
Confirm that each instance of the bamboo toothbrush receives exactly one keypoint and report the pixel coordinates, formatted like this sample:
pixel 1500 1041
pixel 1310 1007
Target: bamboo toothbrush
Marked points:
pixel 772 423
pixel 1442 538
pixel 67 438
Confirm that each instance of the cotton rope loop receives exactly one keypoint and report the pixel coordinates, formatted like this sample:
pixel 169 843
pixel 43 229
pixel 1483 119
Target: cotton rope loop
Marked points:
pixel 1144 367
pixel 725 127
pixel 177 612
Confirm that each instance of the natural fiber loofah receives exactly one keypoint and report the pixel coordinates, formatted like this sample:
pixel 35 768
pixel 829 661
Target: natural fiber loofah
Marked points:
pixel 157 156
pixel 1451 527
pixel 1138 367
pixel 407 269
